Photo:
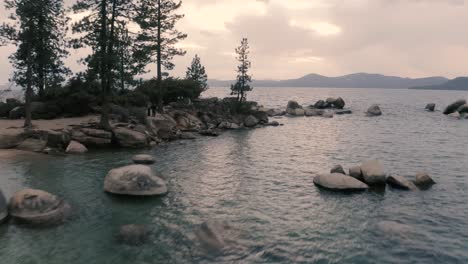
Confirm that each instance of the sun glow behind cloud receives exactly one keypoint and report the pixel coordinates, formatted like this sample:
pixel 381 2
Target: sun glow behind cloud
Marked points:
pixel 319 27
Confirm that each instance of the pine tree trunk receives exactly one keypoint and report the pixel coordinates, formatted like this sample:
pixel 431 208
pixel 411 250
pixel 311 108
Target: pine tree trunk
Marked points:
pixel 159 61
pixel 104 122
pixel 28 97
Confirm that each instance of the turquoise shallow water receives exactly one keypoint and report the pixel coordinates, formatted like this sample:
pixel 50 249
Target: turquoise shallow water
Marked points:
pixel 261 181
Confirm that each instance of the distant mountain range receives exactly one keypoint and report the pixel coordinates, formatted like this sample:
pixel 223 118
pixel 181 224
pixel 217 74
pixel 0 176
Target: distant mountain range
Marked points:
pixel 357 80
pixel 457 84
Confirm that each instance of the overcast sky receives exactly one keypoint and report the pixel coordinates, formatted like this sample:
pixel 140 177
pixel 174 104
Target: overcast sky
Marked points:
pixel 291 38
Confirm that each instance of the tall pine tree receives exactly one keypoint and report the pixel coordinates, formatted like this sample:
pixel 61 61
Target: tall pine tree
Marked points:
pixel 38 30
pixel 242 85
pixel 98 29
pixel 158 36
pixel 196 72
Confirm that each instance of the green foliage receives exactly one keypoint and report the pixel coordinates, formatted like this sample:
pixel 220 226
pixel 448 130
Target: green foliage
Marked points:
pixel 177 89
pixel 38 29
pixel 242 85
pixel 196 72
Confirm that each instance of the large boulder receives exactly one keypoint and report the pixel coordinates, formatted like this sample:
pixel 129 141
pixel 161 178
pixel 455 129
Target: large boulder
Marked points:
pixel 430 107
pixel 250 121
pixel 374 110
pixel 37 207
pixel 91 137
pixel 339 182
pixel 400 182
pixel 336 102
pixel 423 180
pixel 3 207
pixel 454 107
pixel 58 139
pixel 16 113
pixel 12 140
pixel 33 144
pixel 135 180
pixel 75 147
pixel 143 159
pixel 128 138
pixel 294 108
pixel 373 172
pixel 321 104
pixel 133 234
pixel 262 116
pixel 463 109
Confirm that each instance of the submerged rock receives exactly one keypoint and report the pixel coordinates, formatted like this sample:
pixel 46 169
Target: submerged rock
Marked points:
pixel 314 112
pixel 374 110
pixel 273 123
pixel 338 169
pixel 143 159
pixel 37 207
pixel 423 180
pixel 356 173
pixel 454 107
pixel 136 180
pixel 391 228
pixel 401 182
pixel 328 114
pixel 373 173
pixel 214 235
pixel 76 148
pixel 344 112
pixel 133 234
pixel 430 107
pixel 3 207
pixel 12 140
pixel 339 182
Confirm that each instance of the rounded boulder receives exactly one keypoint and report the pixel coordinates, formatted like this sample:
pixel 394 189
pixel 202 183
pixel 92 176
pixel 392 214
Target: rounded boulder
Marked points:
pixel 374 110
pixel 134 180
pixel 3 207
pixel 373 172
pixel 339 182
pixel 37 207
pixel 400 182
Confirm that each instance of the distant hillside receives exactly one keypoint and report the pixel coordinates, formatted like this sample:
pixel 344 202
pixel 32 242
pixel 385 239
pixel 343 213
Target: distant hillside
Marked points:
pixel 457 84
pixel 357 80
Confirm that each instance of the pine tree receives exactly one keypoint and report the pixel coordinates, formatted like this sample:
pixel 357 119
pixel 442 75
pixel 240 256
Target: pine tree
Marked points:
pixel 98 30
pixel 242 85
pixel 197 72
pixel 38 31
pixel 158 36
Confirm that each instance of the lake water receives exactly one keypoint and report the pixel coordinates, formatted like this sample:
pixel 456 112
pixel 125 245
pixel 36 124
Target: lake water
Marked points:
pixel 261 181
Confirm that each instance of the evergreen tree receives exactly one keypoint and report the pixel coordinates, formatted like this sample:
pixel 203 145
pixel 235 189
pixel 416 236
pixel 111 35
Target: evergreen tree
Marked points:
pixel 196 72
pixel 98 29
pixel 38 31
pixel 158 36
pixel 242 85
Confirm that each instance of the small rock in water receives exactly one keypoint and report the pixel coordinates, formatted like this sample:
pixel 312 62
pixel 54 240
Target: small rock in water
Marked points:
pixel 136 180
pixel 209 133
pixel 143 159
pixel 338 169
pixel 374 110
pixel 273 123
pixel 454 107
pixel 214 235
pixel 401 182
pixel 339 182
pixel 423 180
pixel 76 148
pixel 430 107
pixel 133 234
pixel 356 173
pixel 373 172
pixel 37 207
pixel 3 207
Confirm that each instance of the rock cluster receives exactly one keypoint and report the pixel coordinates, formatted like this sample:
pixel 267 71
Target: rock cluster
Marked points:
pixel 370 173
